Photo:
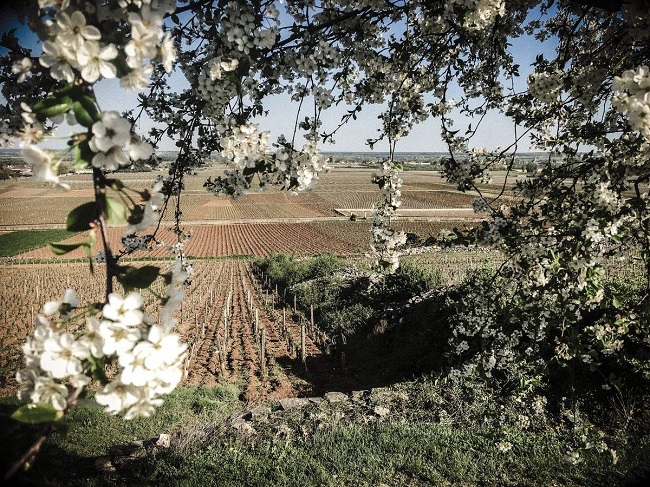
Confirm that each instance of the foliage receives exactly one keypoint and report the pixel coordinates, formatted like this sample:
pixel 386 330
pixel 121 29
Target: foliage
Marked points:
pixel 14 243
pixel 345 319
pixel 408 280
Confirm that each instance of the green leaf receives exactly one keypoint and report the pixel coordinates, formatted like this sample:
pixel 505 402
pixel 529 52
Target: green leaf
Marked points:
pixel 35 413
pixel 80 218
pixel 85 111
pixel 53 106
pixel 61 248
pixel 98 369
pixel 138 278
pixel 117 213
pixel 83 155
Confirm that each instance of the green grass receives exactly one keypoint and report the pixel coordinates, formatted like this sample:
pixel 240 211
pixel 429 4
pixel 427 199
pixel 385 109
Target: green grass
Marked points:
pixel 24 240
pixel 325 445
pixel 390 453
pixel 67 457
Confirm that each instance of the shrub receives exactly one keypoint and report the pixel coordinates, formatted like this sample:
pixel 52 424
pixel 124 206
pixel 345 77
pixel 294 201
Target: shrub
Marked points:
pixel 409 280
pixel 346 320
pixel 323 265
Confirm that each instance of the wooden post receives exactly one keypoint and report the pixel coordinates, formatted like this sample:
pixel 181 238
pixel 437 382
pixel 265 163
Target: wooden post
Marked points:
pixel 303 352
pixel 257 324
pixel 225 331
pixel 263 352
pixel 266 298
pixel 295 309
pixel 311 319
pixel 284 318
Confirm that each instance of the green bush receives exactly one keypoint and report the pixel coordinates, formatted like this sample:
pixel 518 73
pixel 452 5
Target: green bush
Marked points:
pixel 323 265
pixel 346 320
pixel 409 280
pixel 284 269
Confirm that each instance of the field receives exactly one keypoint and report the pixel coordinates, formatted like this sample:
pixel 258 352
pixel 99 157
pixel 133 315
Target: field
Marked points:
pixel 248 347
pixel 218 312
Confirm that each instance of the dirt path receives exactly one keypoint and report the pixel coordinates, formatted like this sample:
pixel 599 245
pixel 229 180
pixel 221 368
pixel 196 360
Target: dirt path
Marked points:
pixel 233 353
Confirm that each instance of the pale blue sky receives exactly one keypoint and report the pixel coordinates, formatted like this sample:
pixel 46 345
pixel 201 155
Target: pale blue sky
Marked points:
pixel 497 129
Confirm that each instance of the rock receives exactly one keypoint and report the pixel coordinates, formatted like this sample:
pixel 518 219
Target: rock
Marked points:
pixel 242 425
pixel 293 402
pixel 126 450
pixel 316 400
pixel 381 411
pixel 358 396
pixel 164 441
pixel 104 464
pixel 336 397
pixel 260 413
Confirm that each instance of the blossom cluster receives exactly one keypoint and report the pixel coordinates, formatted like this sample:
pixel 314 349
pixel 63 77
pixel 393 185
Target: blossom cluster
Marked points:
pixel 632 97
pixel 385 241
pixel 249 150
pixel 74 42
pixel 480 14
pixel 111 137
pixel 546 86
pixel 148 356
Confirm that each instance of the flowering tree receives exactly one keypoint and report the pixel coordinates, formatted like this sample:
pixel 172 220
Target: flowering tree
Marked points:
pixel 587 105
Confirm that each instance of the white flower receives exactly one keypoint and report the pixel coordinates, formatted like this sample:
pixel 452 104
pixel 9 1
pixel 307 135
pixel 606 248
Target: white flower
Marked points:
pixel 49 391
pixel 143 408
pixel 139 150
pixel 134 371
pixel 41 162
pixel 94 61
pixel 168 52
pixel 117 338
pixel 22 68
pixel 59 59
pixel 110 160
pixel 117 396
pixel 137 79
pixel 161 349
pixel 62 356
pixel 26 378
pixel 142 45
pixel 31 133
pixel 111 131
pixel 73 32
pixel 126 311
pixel 93 338
pixel 69 300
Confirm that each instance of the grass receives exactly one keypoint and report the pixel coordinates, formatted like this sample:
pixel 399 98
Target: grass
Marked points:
pixel 321 445
pixel 67 458
pixel 15 243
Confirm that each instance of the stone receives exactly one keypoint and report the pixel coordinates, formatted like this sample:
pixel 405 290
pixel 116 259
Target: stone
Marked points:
pixel 244 426
pixel 381 411
pixel 104 464
pixel 333 397
pixel 293 402
pixel 358 396
pixel 316 400
pixel 164 441
pixel 260 413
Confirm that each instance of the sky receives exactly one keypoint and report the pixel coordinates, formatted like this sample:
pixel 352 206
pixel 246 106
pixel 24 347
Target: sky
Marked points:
pixel 497 129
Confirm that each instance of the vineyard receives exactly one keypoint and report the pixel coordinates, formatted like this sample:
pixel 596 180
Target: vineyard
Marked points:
pixel 235 330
